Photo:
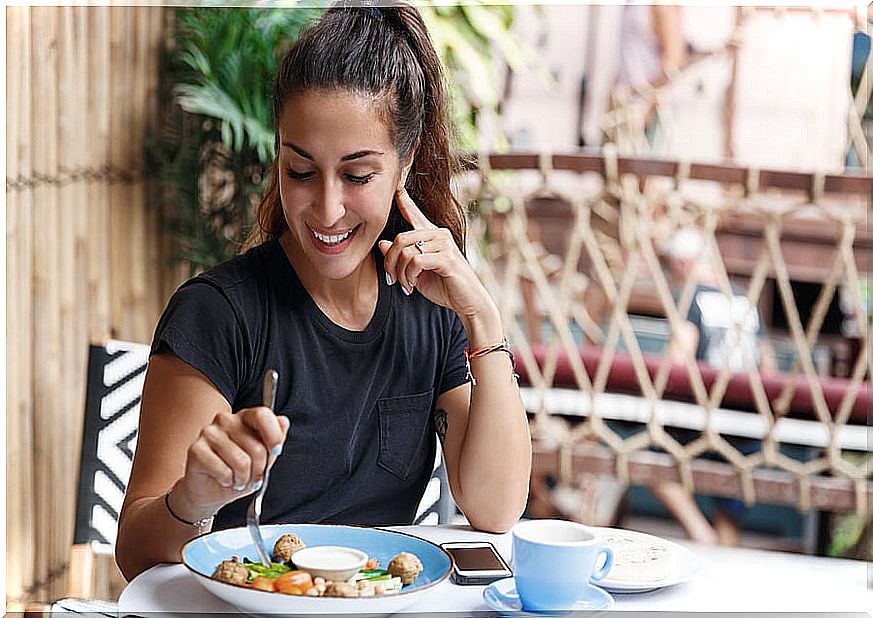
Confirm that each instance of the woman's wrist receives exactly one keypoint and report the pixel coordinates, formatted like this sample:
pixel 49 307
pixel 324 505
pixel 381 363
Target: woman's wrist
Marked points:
pixel 182 508
pixel 483 327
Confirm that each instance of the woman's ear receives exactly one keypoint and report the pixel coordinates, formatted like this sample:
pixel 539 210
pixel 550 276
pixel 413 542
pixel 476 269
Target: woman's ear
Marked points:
pixel 404 173
pixel 404 170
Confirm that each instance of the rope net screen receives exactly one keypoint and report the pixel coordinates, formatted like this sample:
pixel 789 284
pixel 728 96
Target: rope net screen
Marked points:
pixel 567 311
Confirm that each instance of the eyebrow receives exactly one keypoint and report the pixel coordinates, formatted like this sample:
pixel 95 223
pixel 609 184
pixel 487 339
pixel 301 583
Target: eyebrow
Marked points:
pixel 348 157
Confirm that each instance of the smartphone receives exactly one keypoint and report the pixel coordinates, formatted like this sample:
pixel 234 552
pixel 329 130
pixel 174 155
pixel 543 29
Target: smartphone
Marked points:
pixel 476 563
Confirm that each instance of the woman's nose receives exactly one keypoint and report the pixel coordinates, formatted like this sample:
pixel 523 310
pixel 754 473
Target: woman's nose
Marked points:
pixel 329 207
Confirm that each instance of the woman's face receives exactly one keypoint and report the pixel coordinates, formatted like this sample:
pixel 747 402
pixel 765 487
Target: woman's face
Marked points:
pixel 338 174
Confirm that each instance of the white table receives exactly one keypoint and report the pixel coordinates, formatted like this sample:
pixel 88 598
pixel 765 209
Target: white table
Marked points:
pixel 730 580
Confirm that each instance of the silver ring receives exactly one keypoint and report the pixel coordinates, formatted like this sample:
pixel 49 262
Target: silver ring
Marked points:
pixel 419 244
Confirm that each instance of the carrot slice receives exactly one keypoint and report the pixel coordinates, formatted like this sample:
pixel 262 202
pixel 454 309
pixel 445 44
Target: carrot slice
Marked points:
pixel 300 579
pixel 262 583
pixel 287 588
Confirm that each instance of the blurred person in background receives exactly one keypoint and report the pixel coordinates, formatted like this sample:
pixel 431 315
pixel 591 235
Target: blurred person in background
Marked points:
pixel 653 48
pixel 719 331
pixel 712 315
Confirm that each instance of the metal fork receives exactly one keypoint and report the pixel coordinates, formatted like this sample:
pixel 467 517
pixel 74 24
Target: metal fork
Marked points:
pixel 253 514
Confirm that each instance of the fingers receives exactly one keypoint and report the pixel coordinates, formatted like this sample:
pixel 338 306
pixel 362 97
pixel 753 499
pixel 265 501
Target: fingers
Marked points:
pixel 239 448
pixel 264 423
pixel 411 212
pixel 202 459
pixel 417 264
pixel 234 449
pixel 414 252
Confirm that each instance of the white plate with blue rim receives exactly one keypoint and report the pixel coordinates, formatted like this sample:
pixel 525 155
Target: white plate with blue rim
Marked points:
pixel 502 597
pixel 204 553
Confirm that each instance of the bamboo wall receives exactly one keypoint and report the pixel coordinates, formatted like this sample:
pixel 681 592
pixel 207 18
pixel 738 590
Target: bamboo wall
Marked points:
pixel 83 251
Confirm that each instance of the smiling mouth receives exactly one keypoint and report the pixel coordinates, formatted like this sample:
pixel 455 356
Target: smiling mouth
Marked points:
pixel 332 239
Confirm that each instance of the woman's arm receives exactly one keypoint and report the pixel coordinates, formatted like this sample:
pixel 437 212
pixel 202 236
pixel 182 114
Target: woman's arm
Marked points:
pixel 485 436
pixel 487 442
pixel 189 441
pixel 667 26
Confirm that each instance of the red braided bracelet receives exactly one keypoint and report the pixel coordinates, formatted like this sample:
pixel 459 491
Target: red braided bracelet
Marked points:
pixel 502 346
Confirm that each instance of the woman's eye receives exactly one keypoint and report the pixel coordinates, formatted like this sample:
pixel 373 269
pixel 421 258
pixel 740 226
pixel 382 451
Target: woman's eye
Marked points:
pixel 359 180
pixel 298 175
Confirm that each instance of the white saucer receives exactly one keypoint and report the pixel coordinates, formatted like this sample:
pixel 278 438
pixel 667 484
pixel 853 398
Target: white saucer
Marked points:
pixel 593 599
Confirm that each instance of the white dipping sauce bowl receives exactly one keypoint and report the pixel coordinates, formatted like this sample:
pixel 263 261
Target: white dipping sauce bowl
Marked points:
pixel 330 562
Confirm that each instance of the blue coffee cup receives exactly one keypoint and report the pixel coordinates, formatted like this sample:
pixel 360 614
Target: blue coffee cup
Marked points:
pixel 554 561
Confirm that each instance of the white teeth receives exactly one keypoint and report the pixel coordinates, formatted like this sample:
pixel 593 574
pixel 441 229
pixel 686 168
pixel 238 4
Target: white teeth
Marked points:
pixel 331 240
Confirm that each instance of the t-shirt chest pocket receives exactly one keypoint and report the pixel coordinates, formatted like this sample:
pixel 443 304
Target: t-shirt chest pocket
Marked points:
pixel 403 431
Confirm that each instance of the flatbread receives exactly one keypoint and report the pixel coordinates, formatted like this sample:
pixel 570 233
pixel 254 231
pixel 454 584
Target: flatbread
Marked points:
pixel 638 560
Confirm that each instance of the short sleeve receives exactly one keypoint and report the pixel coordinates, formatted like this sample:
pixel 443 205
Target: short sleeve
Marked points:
pixel 200 327
pixel 455 372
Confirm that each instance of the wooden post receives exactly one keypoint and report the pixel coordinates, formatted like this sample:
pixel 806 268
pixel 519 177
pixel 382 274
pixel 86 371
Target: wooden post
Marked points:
pixel 20 539
pixel 136 87
pixel 66 424
pixel 80 583
pixel 97 97
pixel 46 286
pixel 154 234
pixel 119 194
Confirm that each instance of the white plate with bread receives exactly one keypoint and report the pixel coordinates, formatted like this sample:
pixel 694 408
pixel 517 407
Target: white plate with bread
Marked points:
pixel 642 562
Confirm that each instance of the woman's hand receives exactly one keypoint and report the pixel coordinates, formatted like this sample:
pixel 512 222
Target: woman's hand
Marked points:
pixel 227 460
pixel 428 259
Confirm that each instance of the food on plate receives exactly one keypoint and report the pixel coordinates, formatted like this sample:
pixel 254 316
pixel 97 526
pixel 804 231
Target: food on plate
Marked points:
pixel 283 577
pixel 285 547
pixel 294 582
pixel 262 583
pixel 341 589
pixel 637 560
pixel 406 566
pixel 231 571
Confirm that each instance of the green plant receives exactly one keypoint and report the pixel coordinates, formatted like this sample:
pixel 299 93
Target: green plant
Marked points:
pixel 851 532
pixel 225 65
pixel 467 37
pixel 216 143
pixel 851 538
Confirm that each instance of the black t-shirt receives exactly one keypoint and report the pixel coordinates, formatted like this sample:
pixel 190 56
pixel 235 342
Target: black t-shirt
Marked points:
pixel 361 444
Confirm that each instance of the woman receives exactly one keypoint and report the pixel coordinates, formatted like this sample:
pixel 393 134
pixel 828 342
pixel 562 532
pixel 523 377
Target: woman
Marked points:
pixel 357 291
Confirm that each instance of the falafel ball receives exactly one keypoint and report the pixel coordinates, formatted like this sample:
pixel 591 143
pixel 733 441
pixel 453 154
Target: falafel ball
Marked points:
pixel 285 547
pixel 231 571
pixel 406 566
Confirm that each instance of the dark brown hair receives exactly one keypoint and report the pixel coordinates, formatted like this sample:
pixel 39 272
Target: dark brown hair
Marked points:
pixel 386 53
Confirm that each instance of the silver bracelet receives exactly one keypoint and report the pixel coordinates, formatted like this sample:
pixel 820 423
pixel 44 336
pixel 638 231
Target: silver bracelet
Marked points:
pixel 201 525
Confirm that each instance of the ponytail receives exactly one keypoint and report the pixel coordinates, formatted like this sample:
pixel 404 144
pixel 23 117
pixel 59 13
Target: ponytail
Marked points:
pixel 387 53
